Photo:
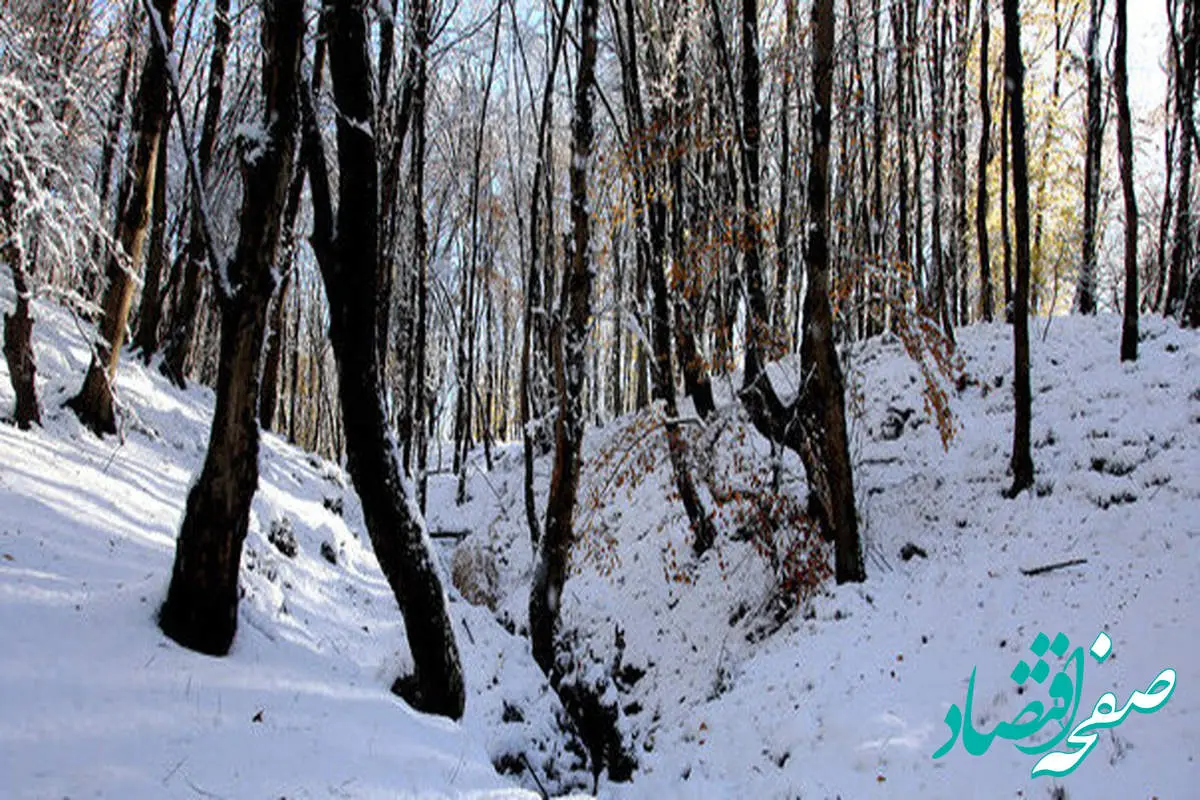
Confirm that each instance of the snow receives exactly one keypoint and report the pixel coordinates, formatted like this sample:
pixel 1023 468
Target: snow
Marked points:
pixel 846 697
pixel 95 701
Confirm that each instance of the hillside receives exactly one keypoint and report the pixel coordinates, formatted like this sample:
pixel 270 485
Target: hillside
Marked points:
pixel 721 696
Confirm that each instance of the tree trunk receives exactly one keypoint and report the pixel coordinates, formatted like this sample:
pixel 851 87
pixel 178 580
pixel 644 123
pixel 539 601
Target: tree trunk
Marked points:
pixel 150 309
pixel 112 137
pixel 1185 83
pixel 94 403
pixel 981 189
pixel 1085 294
pixel 815 424
pixel 534 281
pixel 1014 73
pixel 1129 326
pixel 1162 262
pixel 201 607
pixel 782 230
pixel 350 266
pixel 903 54
pixel 1005 238
pixel 937 103
pixel 817 351
pixel 269 399
pixel 18 335
pixel 961 300
pixel 550 570
pixel 177 348
pixel 420 27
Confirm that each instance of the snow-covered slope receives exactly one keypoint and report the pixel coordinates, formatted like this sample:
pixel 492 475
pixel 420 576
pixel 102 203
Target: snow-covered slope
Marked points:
pixel 847 699
pixel 95 702
pixel 843 698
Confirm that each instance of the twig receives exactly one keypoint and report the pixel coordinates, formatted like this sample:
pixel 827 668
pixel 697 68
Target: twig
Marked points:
pixel 1051 567
pixel 533 774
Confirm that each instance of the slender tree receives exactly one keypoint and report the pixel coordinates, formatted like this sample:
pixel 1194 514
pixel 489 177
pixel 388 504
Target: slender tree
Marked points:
pixel 981 189
pixel 177 347
pixel 550 570
pixel 1185 90
pixel 1129 326
pixel 1014 80
pixel 145 338
pixel 94 403
pixel 346 243
pixel 1085 294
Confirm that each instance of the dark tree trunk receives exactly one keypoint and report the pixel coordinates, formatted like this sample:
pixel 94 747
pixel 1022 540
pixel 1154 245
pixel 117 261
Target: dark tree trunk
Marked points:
pixel 815 424
pixel 903 54
pixel 1085 293
pixel 1185 84
pixel 1168 203
pixel 876 315
pixel 937 104
pixel 1014 74
pixel 94 403
pixel 18 334
pixel 269 399
pixel 826 400
pixel 782 231
pixel 1129 326
pixel 651 219
pixel 466 362
pixel 534 281
pixel 350 266
pixel 201 607
pixel 550 570
pixel 981 188
pixel 960 302
pixel 177 348
pixel 420 27
pixel 150 309
pixel 1005 238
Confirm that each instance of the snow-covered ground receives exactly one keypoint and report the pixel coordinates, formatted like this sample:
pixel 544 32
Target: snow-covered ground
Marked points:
pixel 844 698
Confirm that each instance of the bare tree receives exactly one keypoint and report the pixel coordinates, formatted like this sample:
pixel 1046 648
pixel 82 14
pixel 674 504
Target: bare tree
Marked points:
pixel 179 339
pixel 1129 327
pixel 550 570
pixel 94 403
pixel 200 611
pixel 1085 294
pixel 814 424
pixel 350 265
pixel 1014 80
pixel 1185 90
pixel 981 189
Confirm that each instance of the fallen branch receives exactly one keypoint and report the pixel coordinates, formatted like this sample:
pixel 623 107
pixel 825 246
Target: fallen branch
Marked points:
pixel 444 534
pixel 1051 567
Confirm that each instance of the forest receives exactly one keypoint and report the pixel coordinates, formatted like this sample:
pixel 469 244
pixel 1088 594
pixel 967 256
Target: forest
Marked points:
pixel 560 391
